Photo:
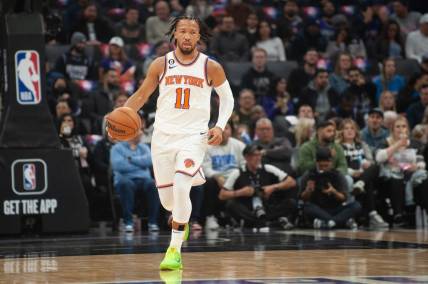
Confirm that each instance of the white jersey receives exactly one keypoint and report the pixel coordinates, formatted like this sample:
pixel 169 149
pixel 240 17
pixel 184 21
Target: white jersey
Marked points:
pixel 183 106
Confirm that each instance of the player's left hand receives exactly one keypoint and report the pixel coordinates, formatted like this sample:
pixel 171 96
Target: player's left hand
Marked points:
pixel 215 135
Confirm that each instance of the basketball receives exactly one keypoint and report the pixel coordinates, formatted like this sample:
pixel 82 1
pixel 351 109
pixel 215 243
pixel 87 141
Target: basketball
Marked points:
pixel 123 123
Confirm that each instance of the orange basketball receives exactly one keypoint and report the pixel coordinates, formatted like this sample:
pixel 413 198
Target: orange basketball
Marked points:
pixel 123 123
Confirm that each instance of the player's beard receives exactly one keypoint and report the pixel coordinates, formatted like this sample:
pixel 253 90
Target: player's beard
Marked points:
pixel 186 51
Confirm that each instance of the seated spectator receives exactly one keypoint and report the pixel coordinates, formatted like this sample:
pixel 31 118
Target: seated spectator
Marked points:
pixel 239 11
pixel 279 102
pixel 325 135
pixel 218 164
pixel 283 125
pixel 303 132
pixel 70 139
pixel 326 21
pixel 61 91
pixel 374 134
pixel 199 8
pixel 250 29
pixel 387 101
pixel 259 79
pixel 408 20
pixel 101 163
pixel 416 110
pixel 301 76
pixel 362 169
pixel 228 44
pixel 362 91
pixel 402 171
pixel 339 79
pixel 117 60
pixel 344 41
pixel 161 48
pixel 417 41
pixel 390 43
pixel 325 191
pixel 246 102
pixel 310 37
pixel 131 163
pixel 129 29
pixel 157 26
pixel 63 107
pixel 74 64
pixel 290 24
pixel 96 29
pixel 258 193
pixel 389 118
pixel 320 95
pixel 273 45
pixel 275 151
pixel 176 8
pixel 388 79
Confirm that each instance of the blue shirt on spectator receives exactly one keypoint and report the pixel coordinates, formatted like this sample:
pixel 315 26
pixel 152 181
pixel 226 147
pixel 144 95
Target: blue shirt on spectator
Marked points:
pixel 130 163
pixel 374 140
pixel 395 85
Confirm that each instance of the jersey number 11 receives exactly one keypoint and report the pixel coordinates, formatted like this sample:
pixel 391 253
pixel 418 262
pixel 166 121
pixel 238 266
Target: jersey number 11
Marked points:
pixel 181 101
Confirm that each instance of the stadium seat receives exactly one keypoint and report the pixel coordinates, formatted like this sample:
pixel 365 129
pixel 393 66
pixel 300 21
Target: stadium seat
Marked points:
pixel 53 52
pixel 282 69
pixel 235 71
pixel 407 67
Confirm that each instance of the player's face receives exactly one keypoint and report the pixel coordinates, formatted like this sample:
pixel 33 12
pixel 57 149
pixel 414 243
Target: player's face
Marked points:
pixel 187 35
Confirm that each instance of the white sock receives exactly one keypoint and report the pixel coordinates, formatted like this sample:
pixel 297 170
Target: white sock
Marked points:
pixel 176 239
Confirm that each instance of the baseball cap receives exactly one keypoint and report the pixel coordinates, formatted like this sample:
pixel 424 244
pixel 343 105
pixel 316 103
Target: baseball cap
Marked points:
pixel 77 37
pixel 117 41
pixel 424 19
pixel 323 154
pixel 324 124
pixel 376 110
pixel 251 149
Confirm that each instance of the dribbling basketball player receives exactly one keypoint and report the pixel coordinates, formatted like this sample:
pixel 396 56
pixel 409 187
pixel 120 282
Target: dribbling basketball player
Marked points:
pixel 186 78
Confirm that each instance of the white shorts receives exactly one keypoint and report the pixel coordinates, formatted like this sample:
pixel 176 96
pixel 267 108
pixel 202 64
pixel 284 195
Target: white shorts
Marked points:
pixel 178 153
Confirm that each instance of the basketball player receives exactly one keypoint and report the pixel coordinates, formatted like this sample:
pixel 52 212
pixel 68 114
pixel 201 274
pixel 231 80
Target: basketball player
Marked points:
pixel 186 78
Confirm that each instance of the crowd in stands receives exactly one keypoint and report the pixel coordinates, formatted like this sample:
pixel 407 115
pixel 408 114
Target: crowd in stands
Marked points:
pixel 335 139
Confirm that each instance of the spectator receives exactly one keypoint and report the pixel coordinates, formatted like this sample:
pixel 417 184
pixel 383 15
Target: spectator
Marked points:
pixel 362 169
pixel 157 26
pixel 325 193
pixel 339 79
pixel 389 118
pixel 301 76
pixel 246 102
pixel 344 41
pixel 283 125
pixel 228 44
pixel 416 110
pixel 388 79
pixel 417 41
pixel 74 64
pixel 290 24
pixel 219 162
pixel 129 29
pixel 61 91
pixel 273 45
pixel 310 37
pixel 303 132
pixel 259 192
pixel 239 11
pixel 250 30
pixel 176 8
pixel 401 161
pixel 408 21
pixel 387 101
pixel 101 164
pixel 361 91
pixel 96 29
pixel 326 22
pixel 275 151
pixel 374 134
pixel 390 43
pixel 117 60
pixel 199 8
pixel 131 163
pixel 279 102
pixel 319 95
pixel 258 78
pixel 70 139
pixel 325 135
pixel 161 48
pixel 63 107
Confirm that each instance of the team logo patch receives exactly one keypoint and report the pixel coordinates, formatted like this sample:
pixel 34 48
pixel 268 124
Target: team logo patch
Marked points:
pixel 28 83
pixel 171 64
pixel 188 163
pixel 29 176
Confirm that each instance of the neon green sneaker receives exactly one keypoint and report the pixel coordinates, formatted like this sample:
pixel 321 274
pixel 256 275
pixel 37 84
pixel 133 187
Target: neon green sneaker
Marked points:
pixel 172 260
pixel 171 276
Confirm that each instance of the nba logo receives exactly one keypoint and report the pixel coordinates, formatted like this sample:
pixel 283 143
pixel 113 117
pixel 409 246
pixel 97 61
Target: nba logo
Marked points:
pixel 29 174
pixel 28 85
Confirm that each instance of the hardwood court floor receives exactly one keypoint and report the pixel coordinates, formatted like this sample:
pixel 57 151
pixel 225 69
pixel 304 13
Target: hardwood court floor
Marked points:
pixel 300 256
